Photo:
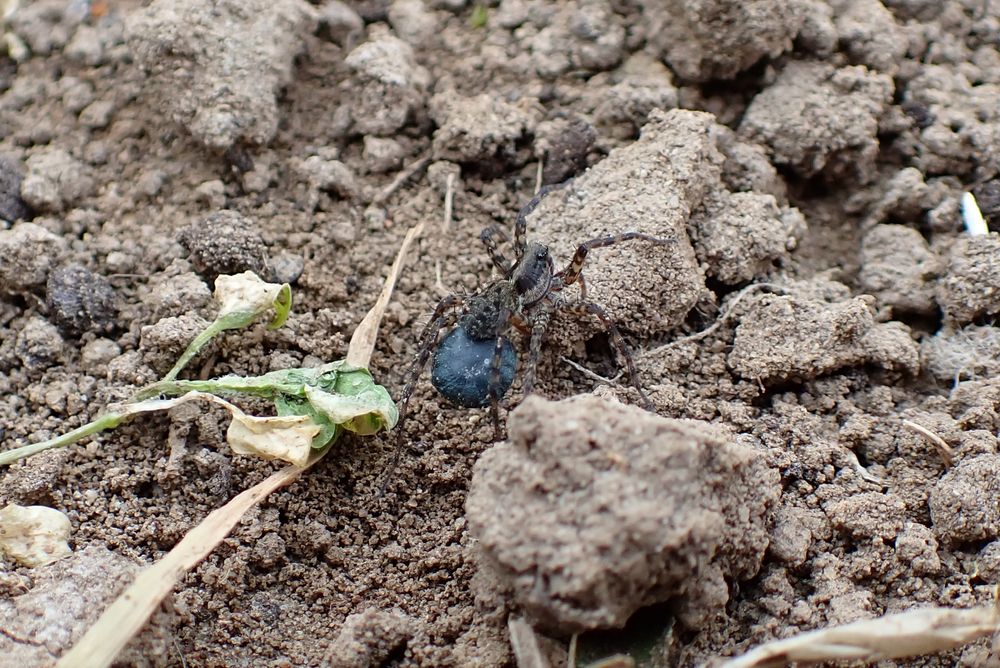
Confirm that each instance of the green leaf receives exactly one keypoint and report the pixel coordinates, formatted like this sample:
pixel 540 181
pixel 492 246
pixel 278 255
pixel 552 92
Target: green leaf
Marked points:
pixel 480 16
pixel 351 397
pixel 329 431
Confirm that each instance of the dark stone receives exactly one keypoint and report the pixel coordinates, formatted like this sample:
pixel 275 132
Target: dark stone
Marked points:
pixel 225 243
pixel 12 207
pixel 81 301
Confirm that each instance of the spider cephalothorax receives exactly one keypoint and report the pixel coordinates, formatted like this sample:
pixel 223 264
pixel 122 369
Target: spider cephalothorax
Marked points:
pixel 474 364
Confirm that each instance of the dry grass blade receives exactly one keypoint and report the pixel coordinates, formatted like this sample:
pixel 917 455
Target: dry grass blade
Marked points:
pixel 901 635
pixel 128 614
pixel 944 450
pixel 359 352
pixel 524 642
pixel 401 178
pixel 721 319
pixel 124 618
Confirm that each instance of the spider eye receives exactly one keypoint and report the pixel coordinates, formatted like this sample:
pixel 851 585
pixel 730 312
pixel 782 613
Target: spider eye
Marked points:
pixel 541 253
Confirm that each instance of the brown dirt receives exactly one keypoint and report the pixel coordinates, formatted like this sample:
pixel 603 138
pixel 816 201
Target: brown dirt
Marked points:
pixel 806 159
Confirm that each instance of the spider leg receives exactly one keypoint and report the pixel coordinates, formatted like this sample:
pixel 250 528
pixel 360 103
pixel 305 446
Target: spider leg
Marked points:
pixel 521 224
pixel 495 363
pixel 487 236
pixel 571 273
pixel 538 329
pixel 590 308
pixel 440 319
pixel 504 320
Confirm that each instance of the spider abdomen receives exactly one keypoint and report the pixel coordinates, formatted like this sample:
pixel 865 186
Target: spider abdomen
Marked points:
pixel 461 370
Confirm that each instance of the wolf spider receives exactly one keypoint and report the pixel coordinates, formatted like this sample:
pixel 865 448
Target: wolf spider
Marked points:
pixel 474 364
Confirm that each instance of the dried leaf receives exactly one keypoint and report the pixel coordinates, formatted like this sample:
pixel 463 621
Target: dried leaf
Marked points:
pixel 288 437
pixel 285 437
pixel 906 634
pixel 34 535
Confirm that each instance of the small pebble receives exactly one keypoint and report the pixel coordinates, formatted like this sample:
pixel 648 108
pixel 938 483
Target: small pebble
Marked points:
pixel 382 154
pixel 174 294
pixel 76 95
pixel 55 181
pixel 162 343
pixel 287 267
pixel 80 300
pixel 330 175
pixel 211 193
pixel 12 207
pixel 343 233
pixel 39 344
pixel 150 182
pixel 85 47
pixel 28 251
pixel 97 114
pixel 268 550
pixel 96 354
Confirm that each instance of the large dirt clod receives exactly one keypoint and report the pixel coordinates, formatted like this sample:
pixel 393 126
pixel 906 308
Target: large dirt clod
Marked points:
pixel 898 269
pixel 27 253
pixel 718 39
pixel 816 118
pixel 217 67
pixel 225 243
pixel 965 503
pixel 594 509
pixel 392 84
pixel 650 186
pixel 39 625
pixel 968 288
pixel 784 338
pixel 80 300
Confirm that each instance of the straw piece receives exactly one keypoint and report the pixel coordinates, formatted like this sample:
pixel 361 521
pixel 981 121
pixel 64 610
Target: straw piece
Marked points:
pixel 906 634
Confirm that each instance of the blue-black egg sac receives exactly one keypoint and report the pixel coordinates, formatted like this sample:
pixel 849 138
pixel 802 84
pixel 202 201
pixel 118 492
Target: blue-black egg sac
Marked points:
pixel 461 370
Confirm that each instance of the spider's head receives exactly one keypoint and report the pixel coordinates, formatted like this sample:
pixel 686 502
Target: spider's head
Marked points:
pixel 532 275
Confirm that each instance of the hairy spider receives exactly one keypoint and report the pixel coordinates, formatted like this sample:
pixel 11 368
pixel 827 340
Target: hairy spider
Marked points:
pixel 474 363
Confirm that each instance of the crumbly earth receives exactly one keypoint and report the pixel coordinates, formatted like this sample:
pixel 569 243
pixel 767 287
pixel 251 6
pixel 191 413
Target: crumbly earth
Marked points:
pixel 816 296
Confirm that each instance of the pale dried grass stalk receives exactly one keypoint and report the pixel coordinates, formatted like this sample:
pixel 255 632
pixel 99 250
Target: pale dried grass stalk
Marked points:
pixel 721 319
pixel 359 352
pixel 408 172
pixel 124 618
pixel 943 449
pixel 524 642
pixel 898 636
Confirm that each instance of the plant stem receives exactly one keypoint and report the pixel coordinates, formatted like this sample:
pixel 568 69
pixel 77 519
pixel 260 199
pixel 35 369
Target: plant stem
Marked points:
pixel 196 344
pixel 254 385
pixel 103 423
